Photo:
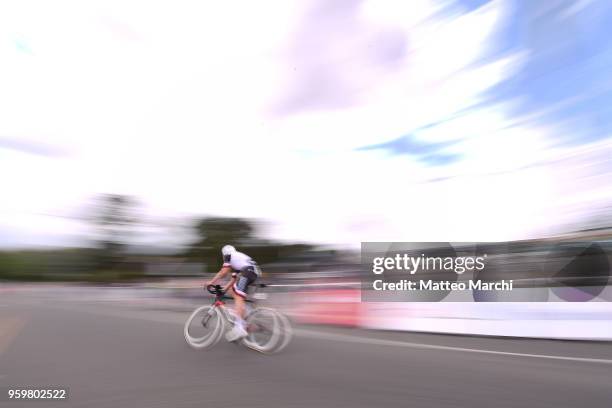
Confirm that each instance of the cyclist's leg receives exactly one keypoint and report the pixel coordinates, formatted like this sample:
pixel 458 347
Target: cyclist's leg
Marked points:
pixel 239 329
pixel 239 291
pixel 239 301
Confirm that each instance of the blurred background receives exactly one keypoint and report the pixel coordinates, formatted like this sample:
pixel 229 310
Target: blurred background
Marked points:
pixel 137 138
pixel 131 141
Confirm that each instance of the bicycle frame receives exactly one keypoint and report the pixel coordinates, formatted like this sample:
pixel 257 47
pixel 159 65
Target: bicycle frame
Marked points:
pixel 218 303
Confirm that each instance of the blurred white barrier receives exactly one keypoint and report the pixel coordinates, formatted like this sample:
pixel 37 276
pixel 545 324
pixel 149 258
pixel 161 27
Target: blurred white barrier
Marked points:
pixel 578 321
pixel 555 320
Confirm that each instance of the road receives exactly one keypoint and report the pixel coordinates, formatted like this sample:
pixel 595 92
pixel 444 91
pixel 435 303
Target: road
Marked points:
pixel 112 354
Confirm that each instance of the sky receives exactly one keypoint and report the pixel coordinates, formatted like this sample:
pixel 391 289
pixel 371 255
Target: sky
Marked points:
pixel 336 122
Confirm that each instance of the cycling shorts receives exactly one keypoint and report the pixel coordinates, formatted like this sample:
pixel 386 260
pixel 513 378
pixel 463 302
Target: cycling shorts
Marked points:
pixel 245 278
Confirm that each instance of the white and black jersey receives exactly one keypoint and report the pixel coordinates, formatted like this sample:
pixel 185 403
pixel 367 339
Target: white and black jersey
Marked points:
pixel 245 270
pixel 240 262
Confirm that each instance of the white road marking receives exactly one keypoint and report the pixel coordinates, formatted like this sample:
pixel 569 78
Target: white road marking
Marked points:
pixel 395 343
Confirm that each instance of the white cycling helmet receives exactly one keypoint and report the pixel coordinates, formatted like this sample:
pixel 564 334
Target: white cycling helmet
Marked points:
pixel 228 250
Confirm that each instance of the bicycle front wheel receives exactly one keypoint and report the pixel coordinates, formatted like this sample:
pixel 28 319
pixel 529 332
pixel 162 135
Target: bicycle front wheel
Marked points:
pixel 204 327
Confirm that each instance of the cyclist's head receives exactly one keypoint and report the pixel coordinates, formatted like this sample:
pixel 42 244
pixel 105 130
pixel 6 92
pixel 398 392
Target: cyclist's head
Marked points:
pixel 228 250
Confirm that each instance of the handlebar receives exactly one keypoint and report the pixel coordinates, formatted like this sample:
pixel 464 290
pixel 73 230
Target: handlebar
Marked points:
pixel 215 290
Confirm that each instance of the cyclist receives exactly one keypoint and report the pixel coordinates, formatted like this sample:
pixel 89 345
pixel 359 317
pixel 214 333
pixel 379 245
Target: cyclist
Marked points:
pixel 244 272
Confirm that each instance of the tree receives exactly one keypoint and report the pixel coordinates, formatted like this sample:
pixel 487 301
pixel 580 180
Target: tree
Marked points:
pixel 214 232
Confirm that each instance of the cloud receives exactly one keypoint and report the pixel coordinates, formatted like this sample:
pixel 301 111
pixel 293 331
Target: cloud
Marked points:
pixel 335 55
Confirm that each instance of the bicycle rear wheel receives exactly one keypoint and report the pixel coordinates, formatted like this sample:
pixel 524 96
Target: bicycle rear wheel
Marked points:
pixel 269 331
pixel 204 327
pixel 286 332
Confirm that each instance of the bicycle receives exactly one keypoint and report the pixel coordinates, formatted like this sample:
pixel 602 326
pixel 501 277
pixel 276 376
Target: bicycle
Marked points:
pixel 269 331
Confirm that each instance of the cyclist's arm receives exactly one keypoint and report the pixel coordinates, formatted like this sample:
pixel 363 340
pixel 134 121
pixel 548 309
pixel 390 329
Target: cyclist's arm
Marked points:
pixel 222 272
pixel 230 283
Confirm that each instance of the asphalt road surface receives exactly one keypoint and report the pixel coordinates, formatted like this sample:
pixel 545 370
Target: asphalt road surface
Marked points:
pixel 117 355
